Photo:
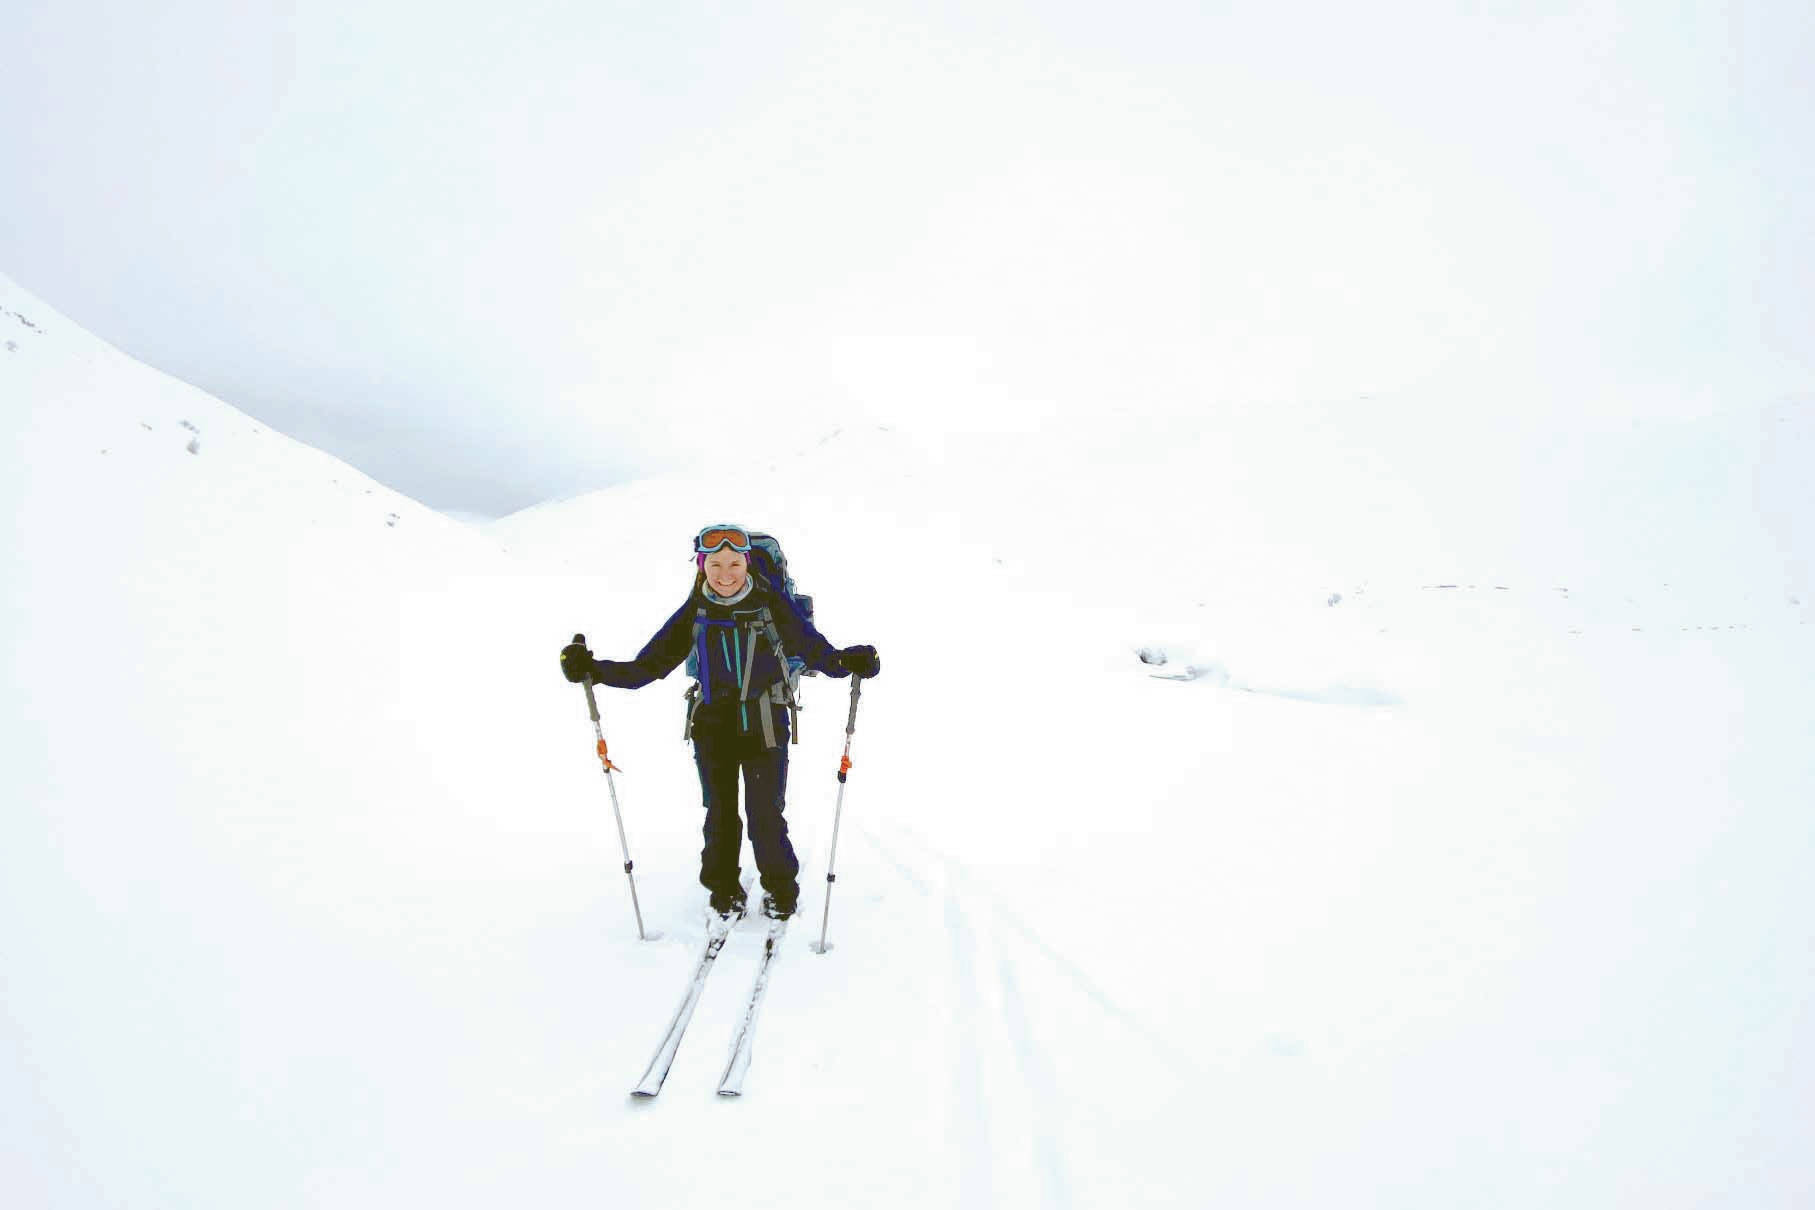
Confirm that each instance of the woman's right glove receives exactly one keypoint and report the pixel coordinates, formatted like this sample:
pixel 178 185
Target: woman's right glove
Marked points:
pixel 577 663
pixel 860 661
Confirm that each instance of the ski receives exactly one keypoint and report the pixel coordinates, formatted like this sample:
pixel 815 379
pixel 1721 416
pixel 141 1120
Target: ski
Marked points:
pixel 732 1084
pixel 717 932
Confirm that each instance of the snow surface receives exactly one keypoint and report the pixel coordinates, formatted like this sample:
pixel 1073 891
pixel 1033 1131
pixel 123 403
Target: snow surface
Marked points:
pixel 1465 862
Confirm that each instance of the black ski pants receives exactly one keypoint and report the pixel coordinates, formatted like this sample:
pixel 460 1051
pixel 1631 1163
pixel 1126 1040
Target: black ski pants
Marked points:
pixel 720 758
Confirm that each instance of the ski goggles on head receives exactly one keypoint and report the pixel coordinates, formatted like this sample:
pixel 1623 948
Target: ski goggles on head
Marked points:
pixel 717 537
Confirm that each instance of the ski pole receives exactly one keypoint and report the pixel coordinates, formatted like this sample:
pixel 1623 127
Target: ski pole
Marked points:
pixel 844 767
pixel 598 729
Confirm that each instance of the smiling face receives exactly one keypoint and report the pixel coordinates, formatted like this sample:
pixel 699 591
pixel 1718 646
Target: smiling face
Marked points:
pixel 726 571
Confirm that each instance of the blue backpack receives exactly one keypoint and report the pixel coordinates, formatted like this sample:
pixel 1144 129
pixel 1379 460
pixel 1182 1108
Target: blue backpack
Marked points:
pixel 768 561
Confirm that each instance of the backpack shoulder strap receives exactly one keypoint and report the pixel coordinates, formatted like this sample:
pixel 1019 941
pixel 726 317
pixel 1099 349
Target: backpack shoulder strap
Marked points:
pixel 701 662
pixel 782 692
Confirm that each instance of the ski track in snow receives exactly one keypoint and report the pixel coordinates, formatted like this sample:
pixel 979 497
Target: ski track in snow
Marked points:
pixel 1000 1073
pixel 1165 1052
pixel 971 1123
pixel 1042 1085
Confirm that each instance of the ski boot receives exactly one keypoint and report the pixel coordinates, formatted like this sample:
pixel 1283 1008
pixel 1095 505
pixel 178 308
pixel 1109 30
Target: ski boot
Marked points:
pixel 729 907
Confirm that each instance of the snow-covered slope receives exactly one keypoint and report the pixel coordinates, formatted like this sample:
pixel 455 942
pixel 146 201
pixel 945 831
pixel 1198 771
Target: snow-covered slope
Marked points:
pixel 239 898
pixel 1464 863
pixel 1467 858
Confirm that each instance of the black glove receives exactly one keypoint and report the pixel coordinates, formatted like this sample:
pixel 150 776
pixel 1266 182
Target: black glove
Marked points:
pixel 860 661
pixel 576 661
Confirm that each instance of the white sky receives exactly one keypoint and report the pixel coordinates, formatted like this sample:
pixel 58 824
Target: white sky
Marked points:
pixel 494 254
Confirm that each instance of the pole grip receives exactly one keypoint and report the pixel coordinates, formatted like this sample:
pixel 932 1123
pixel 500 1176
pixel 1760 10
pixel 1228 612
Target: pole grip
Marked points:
pixel 850 723
pixel 592 705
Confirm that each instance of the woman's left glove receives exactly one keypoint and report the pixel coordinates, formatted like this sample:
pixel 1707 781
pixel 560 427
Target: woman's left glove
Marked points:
pixel 860 661
pixel 577 663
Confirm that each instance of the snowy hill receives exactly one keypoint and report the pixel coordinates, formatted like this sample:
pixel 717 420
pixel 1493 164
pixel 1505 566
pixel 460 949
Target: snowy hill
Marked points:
pixel 1464 861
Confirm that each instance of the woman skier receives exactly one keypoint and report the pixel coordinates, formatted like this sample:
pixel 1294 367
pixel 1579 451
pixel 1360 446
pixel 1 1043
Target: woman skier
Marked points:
pixel 734 621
